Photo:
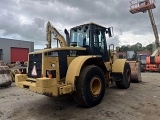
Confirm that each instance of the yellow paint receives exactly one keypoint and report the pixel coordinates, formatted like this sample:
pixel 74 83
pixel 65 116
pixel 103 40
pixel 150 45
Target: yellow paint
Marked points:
pixel 46 65
pixel 57 49
pixel 75 67
pixel 46 82
pixel 20 78
pixel 46 86
pixel 118 65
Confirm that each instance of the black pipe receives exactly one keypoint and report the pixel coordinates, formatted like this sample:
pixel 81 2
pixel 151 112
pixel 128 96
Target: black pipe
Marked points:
pixel 67 37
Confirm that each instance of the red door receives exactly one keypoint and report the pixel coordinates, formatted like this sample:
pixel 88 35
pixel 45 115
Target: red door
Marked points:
pixel 19 54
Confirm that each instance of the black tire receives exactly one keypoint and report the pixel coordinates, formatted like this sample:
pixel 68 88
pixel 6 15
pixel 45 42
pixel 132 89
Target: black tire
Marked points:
pixel 159 69
pixel 90 77
pixel 125 78
pixel 142 69
pixel 7 84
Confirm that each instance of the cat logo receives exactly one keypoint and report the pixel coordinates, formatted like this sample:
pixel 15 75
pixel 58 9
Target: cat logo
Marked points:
pixel 73 53
pixel 34 71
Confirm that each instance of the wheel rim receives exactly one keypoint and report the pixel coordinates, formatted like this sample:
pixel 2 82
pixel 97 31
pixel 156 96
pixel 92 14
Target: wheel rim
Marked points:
pixel 95 86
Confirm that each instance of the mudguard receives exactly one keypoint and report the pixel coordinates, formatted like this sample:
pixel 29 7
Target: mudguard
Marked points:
pixel 118 65
pixel 75 68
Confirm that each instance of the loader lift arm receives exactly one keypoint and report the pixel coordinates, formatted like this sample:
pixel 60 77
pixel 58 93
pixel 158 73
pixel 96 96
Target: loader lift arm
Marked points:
pixel 52 30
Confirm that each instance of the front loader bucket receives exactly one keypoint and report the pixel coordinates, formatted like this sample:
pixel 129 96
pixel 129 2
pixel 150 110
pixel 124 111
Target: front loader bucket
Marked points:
pixel 5 77
pixel 135 71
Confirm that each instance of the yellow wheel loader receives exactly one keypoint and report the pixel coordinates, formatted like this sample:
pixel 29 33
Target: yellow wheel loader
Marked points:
pixel 135 64
pixel 82 66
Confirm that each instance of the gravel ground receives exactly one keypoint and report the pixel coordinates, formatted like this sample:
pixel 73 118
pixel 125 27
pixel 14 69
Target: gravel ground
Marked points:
pixel 140 102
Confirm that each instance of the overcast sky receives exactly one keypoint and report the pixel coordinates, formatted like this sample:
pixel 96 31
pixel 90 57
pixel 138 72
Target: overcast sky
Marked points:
pixel 26 19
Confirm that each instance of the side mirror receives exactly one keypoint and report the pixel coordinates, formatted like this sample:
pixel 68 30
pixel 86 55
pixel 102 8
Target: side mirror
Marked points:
pixel 109 31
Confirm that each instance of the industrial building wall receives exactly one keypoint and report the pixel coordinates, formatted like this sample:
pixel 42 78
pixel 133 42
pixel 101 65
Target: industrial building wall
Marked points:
pixel 7 45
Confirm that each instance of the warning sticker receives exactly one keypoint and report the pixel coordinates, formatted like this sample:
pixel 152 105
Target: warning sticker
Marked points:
pixel 34 71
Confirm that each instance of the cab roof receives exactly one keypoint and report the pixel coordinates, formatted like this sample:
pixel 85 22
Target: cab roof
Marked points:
pixel 87 24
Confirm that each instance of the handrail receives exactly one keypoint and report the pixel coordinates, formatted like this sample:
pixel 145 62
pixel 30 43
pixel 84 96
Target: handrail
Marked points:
pixel 137 3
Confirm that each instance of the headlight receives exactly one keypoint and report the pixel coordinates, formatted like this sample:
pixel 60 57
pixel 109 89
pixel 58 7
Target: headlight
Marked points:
pixel 53 65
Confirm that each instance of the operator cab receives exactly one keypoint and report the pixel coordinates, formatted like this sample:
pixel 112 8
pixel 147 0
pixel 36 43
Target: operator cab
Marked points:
pixel 142 58
pixel 92 37
pixel 131 55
